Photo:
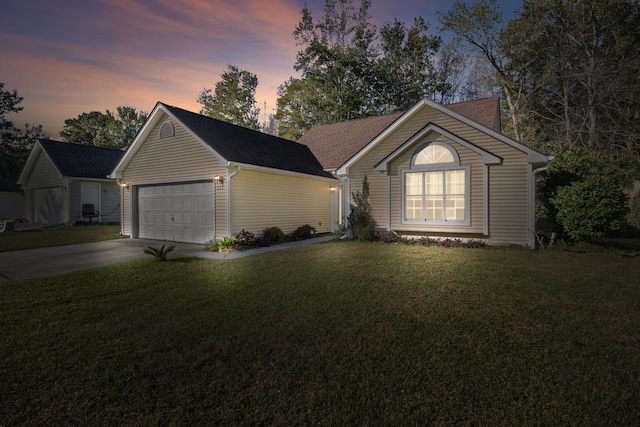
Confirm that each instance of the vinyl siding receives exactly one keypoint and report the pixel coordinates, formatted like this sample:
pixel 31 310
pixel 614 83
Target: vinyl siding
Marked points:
pixel 263 199
pixel 508 184
pixel 44 174
pixel 180 158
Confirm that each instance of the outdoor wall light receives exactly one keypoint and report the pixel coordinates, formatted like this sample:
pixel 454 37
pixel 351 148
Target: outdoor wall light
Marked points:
pixel 219 181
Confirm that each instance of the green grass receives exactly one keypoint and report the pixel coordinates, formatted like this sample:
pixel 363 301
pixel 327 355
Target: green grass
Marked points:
pixel 341 333
pixel 55 236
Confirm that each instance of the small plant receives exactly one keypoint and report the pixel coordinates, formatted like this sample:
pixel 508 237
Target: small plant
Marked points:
pixel 304 232
pixel 361 221
pixel 159 253
pixel 225 244
pixel 273 234
pixel 245 239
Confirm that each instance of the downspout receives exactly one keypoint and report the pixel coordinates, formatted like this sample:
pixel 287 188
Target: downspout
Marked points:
pixel 229 193
pixel 532 204
pixel 346 202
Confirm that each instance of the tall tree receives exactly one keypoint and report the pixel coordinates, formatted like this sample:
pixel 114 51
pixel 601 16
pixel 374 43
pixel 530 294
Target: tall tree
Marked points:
pixel 582 62
pixel 15 143
pixel 233 99
pixel 336 56
pixel 112 130
pixel 294 108
pixel 478 26
pixel 406 70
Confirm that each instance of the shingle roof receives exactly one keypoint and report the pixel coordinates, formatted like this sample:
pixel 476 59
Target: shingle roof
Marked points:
pixel 242 145
pixel 334 144
pixel 81 161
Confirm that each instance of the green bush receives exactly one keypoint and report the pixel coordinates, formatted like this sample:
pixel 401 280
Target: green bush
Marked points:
pixel 361 221
pixel 304 232
pixel 582 193
pixel 244 239
pixel 273 234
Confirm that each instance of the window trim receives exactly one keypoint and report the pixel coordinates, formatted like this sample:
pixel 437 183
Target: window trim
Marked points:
pixel 437 167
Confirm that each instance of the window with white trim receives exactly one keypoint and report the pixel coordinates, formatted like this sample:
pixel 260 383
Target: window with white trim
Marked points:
pixel 436 188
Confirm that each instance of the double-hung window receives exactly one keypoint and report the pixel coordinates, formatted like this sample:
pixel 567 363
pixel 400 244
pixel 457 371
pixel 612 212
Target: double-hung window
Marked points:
pixel 436 188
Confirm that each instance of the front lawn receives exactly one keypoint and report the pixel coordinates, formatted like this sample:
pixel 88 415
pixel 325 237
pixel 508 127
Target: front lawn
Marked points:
pixel 340 333
pixel 55 236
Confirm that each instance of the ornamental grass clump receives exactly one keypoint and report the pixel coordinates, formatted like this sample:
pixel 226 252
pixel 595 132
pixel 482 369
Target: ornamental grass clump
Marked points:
pixel 159 253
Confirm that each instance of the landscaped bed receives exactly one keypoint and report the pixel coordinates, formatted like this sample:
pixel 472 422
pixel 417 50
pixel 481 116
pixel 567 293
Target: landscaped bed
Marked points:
pixel 340 333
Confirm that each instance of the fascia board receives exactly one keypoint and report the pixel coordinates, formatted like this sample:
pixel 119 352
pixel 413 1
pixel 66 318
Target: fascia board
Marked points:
pixel 144 133
pixel 534 156
pixel 487 157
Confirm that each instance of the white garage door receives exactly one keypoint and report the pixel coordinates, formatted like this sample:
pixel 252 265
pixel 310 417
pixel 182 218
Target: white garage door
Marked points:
pixel 48 206
pixel 177 212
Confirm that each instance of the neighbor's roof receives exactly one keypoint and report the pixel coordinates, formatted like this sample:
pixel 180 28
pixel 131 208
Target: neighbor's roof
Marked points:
pixel 75 160
pixel 238 144
pixel 333 144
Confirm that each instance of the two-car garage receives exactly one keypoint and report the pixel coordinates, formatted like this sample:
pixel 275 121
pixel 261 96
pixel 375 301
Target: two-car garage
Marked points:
pixel 182 212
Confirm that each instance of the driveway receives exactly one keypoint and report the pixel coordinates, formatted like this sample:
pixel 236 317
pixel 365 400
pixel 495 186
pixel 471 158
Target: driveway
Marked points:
pixel 30 263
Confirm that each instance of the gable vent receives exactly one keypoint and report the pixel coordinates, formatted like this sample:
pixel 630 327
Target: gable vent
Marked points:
pixel 166 130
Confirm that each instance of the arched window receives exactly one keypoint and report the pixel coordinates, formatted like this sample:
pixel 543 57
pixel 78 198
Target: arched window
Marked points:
pixel 436 188
pixel 166 130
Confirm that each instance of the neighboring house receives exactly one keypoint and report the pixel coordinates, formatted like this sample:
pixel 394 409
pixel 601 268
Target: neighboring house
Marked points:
pixel 60 177
pixel 436 171
pixel 191 178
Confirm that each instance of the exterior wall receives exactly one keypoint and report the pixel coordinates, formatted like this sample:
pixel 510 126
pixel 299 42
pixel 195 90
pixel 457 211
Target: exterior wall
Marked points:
pixel 180 158
pixel 263 199
pixel 508 182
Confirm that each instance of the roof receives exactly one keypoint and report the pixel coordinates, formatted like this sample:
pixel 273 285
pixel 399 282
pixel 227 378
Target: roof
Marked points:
pixel 334 144
pixel 237 144
pixel 77 160
pixel 534 157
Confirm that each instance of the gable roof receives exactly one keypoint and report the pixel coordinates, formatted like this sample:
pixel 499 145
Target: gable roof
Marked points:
pixel 534 157
pixel 335 143
pixel 74 160
pixel 232 143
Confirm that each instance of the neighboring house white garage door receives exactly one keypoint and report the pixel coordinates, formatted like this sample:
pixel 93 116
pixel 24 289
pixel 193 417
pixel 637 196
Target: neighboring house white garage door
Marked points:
pixel 177 212
pixel 48 205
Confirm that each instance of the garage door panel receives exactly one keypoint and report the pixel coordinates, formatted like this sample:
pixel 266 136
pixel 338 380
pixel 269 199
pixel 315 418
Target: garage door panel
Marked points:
pixel 180 212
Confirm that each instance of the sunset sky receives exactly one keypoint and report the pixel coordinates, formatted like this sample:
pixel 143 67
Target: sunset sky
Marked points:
pixel 73 56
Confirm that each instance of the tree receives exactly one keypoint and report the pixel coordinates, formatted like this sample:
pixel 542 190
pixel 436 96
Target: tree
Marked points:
pixel 15 143
pixel 233 100
pixel 478 27
pixel 581 69
pixel 293 111
pixel 335 59
pixel 346 75
pixel 112 130
pixel 405 72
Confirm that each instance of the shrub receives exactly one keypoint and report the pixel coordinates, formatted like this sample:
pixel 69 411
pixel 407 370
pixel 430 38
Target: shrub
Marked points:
pixel 431 241
pixel 225 244
pixel 244 239
pixel 273 234
pixel 583 193
pixel 159 253
pixel 361 221
pixel 304 232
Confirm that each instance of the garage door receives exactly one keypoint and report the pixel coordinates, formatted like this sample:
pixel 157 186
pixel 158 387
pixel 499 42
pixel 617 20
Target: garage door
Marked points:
pixel 48 205
pixel 177 212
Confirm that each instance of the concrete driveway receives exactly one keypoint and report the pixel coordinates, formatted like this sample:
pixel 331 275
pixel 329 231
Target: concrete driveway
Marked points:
pixel 30 263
